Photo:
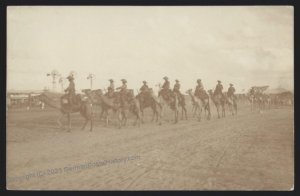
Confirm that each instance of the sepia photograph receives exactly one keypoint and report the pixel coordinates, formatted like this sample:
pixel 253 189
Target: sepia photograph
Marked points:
pixel 150 98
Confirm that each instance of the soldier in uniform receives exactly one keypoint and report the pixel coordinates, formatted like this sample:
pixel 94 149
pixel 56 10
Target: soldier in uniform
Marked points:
pixel 199 91
pixel 144 89
pixel 111 88
pixel 231 91
pixel 176 88
pixel 165 87
pixel 123 91
pixel 70 90
pixel 219 89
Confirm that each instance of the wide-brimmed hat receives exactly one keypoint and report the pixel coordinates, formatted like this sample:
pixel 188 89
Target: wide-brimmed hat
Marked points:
pixel 123 80
pixel 111 80
pixel 165 78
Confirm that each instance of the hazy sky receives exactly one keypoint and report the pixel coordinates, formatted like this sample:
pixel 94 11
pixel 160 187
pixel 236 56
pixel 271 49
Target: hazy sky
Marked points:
pixel 241 45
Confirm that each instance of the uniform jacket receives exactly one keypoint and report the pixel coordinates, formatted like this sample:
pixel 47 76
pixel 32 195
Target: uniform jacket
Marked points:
pixel 166 85
pixel 123 88
pixel 231 91
pixel 219 89
pixel 176 87
pixel 71 88
pixel 111 87
pixel 144 88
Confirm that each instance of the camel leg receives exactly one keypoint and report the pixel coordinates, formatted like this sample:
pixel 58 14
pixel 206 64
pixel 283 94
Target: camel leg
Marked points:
pixel 69 122
pixel 218 110
pixel 106 121
pixel 185 113
pixel 124 118
pixel 138 119
pixel 194 111
pixel 142 114
pixel 154 116
pixel 207 111
pixel 158 116
pixel 120 118
pixel 176 115
pixel 59 121
pixel 209 114
pixel 199 114
pixel 92 124
pixel 85 123
pixel 101 114
pixel 162 112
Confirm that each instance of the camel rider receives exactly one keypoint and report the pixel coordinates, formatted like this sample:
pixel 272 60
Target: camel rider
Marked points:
pixel 123 91
pixel 71 89
pixel 199 91
pixel 144 88
pixel 231 91
pixel 219 89
pixel 176 88
pixel 165 87
pixel 111 88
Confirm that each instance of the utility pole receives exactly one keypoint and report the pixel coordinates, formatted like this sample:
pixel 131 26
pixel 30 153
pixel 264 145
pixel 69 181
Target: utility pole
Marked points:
pixel 91 77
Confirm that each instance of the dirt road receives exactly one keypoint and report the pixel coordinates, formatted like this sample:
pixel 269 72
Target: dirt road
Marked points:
pixel 250 151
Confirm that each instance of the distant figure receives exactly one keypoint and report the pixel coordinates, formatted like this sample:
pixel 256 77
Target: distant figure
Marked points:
pixel 199 90
pixel 231 91
pixel 111 88
pixel 144 88
pixel 70 90
pixel 143 91
pixel 176 88
pixel 123 91
pixel 165 87
pixel 219 89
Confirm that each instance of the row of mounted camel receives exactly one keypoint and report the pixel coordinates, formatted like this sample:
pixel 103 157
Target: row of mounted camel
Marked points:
pixel 111 107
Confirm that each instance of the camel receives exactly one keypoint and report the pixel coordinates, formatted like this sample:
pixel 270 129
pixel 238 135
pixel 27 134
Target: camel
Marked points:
pixel 112 105
pixel 60 102
pixel 181 103
pixel 132 105
pixel 232 105
pixel 149 100
pixel 219 102
pixel 199 105
pixel 171 102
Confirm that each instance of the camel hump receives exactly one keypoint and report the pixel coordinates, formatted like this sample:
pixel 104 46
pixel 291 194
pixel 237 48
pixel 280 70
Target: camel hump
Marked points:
pixel 108 101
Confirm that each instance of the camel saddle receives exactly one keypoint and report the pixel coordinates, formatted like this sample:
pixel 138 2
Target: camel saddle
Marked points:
pixel 76 100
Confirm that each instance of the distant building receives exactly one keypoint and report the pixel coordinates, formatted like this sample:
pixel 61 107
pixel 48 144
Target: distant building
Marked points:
pixel 22 98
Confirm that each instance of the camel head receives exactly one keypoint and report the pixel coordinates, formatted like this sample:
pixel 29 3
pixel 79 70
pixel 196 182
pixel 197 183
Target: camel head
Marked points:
pixel 98 92
pixel 86 91
pixel 189 91
pixel 210 92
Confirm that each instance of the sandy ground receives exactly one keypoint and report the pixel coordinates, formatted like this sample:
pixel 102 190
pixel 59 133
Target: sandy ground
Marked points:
pixel 250 151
